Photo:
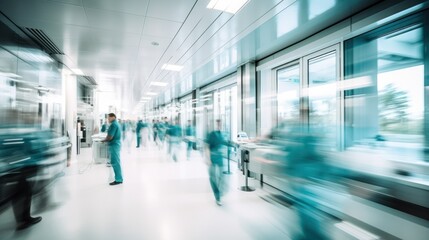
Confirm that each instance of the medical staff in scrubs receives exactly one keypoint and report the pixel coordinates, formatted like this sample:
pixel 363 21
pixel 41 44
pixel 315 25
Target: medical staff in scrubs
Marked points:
pixel 114 140
pixel 215 143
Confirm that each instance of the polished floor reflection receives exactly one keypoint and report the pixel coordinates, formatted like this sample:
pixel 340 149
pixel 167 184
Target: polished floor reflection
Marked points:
pixel 160 199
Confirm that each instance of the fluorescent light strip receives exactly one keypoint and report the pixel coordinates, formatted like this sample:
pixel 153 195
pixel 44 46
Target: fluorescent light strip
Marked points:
pixel 160 84
pixel 77 71
pixel 145 98
pixel 222 5
pixel 172 67
pixel 231 6
pixel 212 3
pixel 235 6
pixel 151 93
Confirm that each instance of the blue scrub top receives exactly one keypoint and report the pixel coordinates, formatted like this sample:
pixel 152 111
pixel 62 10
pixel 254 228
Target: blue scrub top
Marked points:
pixel 115 132
pixel 216 142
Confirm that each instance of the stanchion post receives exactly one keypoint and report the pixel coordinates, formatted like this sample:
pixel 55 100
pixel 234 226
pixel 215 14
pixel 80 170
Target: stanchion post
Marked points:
pixel 245 158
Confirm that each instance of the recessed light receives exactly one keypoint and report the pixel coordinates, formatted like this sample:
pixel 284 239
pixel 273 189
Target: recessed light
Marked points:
pixel 151 93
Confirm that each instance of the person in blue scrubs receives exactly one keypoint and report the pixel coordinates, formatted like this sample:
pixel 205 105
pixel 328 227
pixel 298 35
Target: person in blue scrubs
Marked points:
pixel 114 139
pixel 138 132
pixel 190 138
pixel 215 143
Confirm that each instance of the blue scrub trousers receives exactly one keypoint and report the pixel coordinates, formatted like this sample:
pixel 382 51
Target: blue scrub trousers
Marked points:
pixel 215 173
pixel 115 161
pixel 139 138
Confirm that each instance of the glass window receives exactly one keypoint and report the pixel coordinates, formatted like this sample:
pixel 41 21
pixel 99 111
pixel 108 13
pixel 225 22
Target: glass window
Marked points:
pixel 225 105
pixel 322 95
pixel 234 114
pixel 390 111
pixel 288 85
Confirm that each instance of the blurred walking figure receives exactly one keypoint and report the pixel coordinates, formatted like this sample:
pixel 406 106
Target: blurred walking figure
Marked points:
pixel 104 127
pixel 306 168
pixel 174 133
pixel 138 132
pixel 124 127
pixel 114 139
pixel 127 135
pixel 161 130
pixel 155 128
pixel 189 138
pixel 144 133
pixel 215 144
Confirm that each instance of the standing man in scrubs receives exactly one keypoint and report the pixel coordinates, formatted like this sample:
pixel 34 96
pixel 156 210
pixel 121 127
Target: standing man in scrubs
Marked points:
pixel 114 139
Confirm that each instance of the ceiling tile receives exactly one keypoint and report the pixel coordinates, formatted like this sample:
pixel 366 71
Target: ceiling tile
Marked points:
pixel 146 43
pixel 164 9
pixel 138 7
pixel 90 63
pixel 160 28
pixel 115 21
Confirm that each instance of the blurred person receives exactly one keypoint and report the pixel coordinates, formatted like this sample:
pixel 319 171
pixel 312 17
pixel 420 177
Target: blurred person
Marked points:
pixel 139 128
pixel 144 133
pixel 306 170
pixel 69 149
pixel 25 149
pixel 155 128
pixel 21 201
pixel 127 135
pixel 215 142
pixel 104 126
pixel 189 138
pixel 124 127
pixel 114 139
pixel 14 172
pixel 167 137
pixel 161 129
pixel 149 130
pixel 174 135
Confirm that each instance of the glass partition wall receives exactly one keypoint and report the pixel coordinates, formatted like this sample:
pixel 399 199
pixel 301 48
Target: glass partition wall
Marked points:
pixel 307 94
pixel 221 104
pixel 387 109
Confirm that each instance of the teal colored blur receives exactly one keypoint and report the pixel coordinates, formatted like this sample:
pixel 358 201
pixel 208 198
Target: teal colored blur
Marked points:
pixel 114 131
pixel 115 161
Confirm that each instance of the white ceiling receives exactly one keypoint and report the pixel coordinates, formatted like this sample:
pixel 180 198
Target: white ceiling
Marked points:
pixel 111 40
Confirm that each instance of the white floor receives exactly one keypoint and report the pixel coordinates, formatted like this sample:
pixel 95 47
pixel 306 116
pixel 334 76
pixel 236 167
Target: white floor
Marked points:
pixel 160 199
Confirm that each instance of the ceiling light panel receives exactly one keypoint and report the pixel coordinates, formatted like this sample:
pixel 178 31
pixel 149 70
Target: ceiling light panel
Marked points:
pixel 159 84
pixel 77 71
pixel 231 6
pixel 172 67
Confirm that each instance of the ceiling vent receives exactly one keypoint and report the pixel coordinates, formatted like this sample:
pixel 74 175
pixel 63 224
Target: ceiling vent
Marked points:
pixel 44 41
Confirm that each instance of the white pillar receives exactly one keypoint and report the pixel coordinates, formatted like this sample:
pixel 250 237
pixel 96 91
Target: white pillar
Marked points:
pixel 70 94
